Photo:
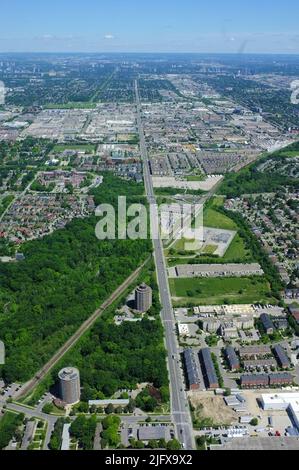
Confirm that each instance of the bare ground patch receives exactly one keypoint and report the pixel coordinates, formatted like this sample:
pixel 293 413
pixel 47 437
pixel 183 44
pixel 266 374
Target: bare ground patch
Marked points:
pixel 214 408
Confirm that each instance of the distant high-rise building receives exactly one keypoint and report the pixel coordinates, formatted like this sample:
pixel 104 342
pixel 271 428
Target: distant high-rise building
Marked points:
pixel 143 298
pixel 70 385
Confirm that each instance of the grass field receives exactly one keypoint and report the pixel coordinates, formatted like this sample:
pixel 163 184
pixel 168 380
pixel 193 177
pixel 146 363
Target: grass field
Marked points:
pixel 214 219
pixel 290 153
pixel 218 291
pixel 195 178
pixel 237 251
pixel 84 147
pixel 209 249
pixel 71 105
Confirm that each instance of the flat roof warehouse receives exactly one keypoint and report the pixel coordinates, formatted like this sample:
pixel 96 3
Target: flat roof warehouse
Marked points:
pixel 283 401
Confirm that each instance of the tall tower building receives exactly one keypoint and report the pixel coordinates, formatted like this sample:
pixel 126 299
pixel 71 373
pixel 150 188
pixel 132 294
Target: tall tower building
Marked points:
pixel 70 385
pixel 143 298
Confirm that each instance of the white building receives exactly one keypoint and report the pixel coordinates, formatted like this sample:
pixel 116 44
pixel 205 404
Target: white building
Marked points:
pixel 184 330
pixel 283 401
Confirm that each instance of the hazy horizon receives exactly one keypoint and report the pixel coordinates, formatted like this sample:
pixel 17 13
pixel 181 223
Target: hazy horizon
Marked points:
pixel 155 27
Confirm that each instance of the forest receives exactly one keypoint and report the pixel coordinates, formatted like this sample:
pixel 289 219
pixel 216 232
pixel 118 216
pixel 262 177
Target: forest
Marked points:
pixel 64 278
pixel 9 425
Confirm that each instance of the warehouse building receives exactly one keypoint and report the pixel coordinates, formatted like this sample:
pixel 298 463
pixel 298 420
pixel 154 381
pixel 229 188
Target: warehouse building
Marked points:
pixel 191 369
pixel 208 369
pixel 232 358
pixel 281 357
pixel 283 401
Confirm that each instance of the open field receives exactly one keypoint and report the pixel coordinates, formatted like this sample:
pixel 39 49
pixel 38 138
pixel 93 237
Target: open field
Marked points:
pixel 218 291
pixel 195 178
pixel 84 147
pixel 213 218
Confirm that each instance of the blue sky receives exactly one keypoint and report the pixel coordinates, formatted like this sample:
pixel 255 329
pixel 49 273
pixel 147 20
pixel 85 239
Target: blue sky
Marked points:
pixel 149 26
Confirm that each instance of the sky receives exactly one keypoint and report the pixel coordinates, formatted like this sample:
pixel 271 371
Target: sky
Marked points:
pixel 255 26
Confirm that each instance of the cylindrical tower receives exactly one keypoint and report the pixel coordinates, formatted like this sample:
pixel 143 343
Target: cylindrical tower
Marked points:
pixel 143 298
pixel 70 385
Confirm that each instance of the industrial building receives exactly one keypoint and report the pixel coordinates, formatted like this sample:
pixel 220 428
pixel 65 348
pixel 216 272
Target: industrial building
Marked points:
pixel 283 401
pixel 191 369
pixel 267 323
pixel 258 444
pixel 143 298
pixel 232 358
pixel 281 357
pixel 69 379
pixel 208 369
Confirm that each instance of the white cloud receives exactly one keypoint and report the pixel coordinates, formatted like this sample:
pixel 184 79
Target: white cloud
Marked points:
pixel 109 36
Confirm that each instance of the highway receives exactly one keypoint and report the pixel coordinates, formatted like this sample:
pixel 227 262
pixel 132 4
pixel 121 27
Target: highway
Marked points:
pixel 179 403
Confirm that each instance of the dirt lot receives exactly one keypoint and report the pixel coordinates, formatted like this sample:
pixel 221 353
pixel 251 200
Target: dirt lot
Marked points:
pixel 213 407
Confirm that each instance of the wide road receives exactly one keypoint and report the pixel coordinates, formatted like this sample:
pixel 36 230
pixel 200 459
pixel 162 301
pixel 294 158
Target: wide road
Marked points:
pixel 179 402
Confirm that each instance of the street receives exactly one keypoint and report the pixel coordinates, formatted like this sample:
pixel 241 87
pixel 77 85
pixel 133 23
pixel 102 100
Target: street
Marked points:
pixel 179 402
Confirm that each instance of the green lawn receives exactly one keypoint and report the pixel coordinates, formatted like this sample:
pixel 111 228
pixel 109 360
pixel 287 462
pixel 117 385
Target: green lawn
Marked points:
pixel 290 153
pixel 71 105
pixel 214 219
pixel 237 251
pixel 195 178
pixel 217 291
pixel 209 249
